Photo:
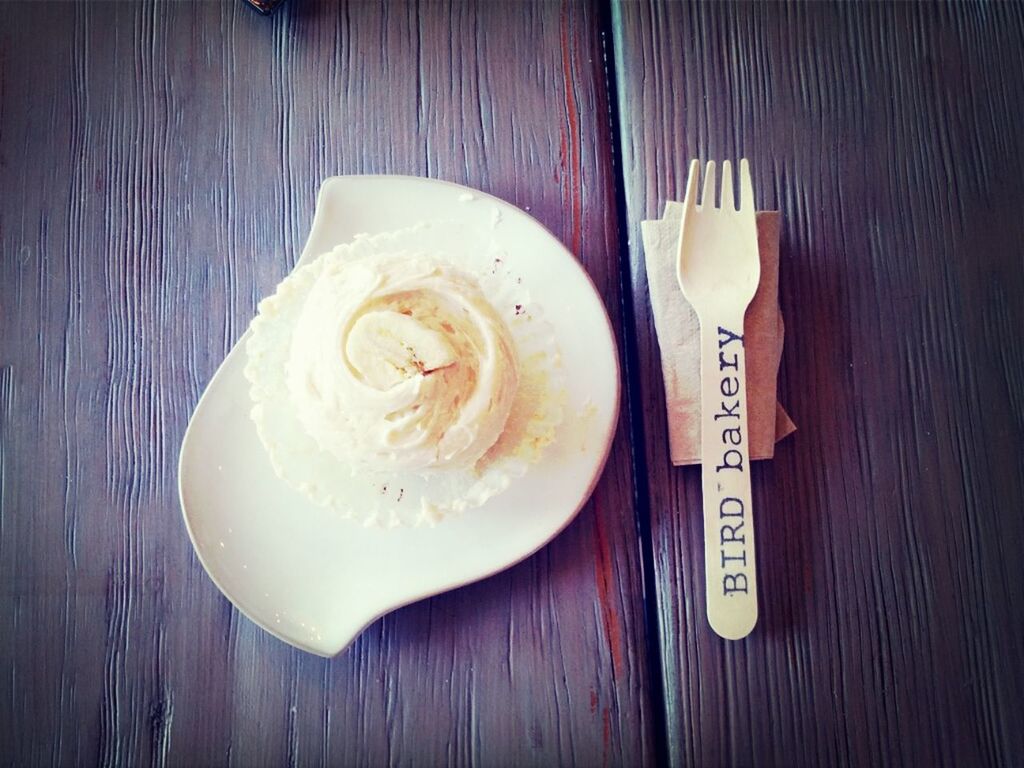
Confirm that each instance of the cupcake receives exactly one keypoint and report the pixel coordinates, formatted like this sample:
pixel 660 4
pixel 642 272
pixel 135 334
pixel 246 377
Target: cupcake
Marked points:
pixel 403 377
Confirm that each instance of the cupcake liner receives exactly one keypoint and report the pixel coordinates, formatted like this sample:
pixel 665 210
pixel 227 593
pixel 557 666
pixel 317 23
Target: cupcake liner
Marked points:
pixel 398 499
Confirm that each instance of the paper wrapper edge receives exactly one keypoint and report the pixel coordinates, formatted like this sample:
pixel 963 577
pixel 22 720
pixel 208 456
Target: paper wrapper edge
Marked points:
pixel 678 331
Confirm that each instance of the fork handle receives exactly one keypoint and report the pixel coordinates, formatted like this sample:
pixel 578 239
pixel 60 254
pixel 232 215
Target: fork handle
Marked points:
pixel 729 558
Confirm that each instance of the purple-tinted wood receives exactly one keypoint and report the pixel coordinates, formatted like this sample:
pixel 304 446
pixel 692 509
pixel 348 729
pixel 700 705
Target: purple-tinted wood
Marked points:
pixel 158 168
pixel 889 527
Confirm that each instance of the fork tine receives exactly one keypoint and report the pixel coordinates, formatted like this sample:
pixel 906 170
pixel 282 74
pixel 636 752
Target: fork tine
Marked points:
pixel 690 201
pixel 708 198
pixel 746 187
pixel 728 199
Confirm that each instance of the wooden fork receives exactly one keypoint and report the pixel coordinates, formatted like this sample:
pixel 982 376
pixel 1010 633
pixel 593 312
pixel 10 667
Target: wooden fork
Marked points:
pixel 718 269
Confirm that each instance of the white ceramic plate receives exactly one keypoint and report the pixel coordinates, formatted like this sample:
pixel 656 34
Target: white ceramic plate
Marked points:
pixel 316 580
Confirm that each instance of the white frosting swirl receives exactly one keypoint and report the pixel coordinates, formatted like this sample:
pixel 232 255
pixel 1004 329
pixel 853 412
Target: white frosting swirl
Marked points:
pixel 398 361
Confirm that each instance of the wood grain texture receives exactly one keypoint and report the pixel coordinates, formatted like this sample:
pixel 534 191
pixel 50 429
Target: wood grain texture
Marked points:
pixel 158 169
pixel 889 527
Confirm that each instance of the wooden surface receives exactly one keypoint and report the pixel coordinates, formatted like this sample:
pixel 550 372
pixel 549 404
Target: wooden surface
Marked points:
pixel 158 166
pixel 159 170
pixel 889 527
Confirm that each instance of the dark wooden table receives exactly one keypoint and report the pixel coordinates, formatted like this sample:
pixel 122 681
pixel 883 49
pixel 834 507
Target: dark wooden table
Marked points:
pixel 158 166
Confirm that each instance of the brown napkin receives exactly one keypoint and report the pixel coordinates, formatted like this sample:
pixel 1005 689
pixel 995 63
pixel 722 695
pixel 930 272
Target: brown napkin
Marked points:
pixel 679 339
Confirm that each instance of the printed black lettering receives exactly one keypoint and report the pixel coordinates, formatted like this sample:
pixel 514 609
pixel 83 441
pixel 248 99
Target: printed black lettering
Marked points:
pixel 731 534
pixel 732 583
pixel 742 558
pixel 723 363
pixel 737 510
pixel 732 435
pixel 731 459
pixel 729 337
pixel 731 412
pixel 730 386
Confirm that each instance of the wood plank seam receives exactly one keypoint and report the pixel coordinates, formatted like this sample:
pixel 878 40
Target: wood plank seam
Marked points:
pixel 634 403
